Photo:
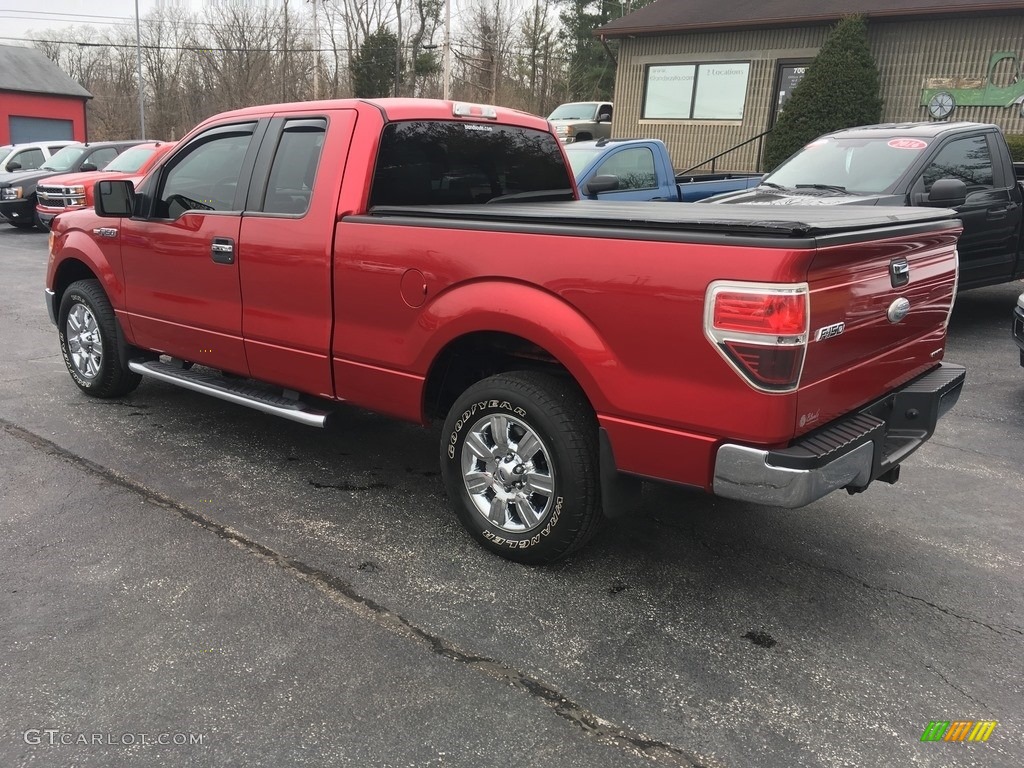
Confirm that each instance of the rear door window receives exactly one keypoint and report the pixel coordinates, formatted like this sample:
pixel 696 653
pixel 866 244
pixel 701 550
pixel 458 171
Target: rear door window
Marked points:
pixel 455 163
pixel 295 163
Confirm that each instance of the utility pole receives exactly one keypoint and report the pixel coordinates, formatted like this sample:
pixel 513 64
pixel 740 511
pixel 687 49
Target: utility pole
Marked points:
pixel 447 49
pixel 316 53
pixel 398 47
pixel 284 63
pixel 138 61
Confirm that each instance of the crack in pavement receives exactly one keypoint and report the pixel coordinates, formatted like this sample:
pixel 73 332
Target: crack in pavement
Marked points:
pixel 972 451
pixel 737 547
pixel 344 594
pixel 997 628
pixel 956 688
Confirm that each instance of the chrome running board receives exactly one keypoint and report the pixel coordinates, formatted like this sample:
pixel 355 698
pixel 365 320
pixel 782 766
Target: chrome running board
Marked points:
pixel 238 391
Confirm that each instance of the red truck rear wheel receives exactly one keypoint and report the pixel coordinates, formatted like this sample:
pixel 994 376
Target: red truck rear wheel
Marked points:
pixel 519 460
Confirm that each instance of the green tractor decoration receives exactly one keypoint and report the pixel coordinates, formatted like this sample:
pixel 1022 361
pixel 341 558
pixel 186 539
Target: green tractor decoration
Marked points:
pixel 941 95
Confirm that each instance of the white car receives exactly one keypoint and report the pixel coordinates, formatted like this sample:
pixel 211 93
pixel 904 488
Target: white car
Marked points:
pixel 29 156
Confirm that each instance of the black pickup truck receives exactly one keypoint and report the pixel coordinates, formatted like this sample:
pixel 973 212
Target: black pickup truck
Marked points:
pixel 965 166
pixel 18 189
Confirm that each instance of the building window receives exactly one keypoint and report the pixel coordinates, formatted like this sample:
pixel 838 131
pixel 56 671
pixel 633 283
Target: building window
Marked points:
pixel 710 91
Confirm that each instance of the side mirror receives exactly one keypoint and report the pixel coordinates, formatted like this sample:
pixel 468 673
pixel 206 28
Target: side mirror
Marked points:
pixel 600 184
pixel 14 165
pixel 88 167
pixel 114 199
pixel 604 117
pixel 948 193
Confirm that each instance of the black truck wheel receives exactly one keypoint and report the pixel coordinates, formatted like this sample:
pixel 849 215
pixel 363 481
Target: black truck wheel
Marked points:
pixel 520 463
pixel 91 344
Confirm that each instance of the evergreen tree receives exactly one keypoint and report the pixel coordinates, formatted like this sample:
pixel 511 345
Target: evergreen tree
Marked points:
pixel 840 90
pixel 591 71
pixel 373 71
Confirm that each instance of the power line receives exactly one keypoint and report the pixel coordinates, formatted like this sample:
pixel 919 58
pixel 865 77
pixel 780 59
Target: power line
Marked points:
pixel 192 48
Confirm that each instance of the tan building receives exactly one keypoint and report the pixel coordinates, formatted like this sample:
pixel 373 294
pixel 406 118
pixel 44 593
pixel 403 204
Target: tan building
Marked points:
pixel 706 75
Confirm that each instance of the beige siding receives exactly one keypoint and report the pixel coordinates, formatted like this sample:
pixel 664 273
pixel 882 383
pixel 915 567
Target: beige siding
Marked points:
pixel 906 53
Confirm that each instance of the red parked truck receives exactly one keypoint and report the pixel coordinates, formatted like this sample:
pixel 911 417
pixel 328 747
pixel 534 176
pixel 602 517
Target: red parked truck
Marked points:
pixel 428 260
pixel 74 190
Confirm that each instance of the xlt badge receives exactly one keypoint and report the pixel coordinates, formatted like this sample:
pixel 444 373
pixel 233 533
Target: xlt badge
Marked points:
pixel 829 331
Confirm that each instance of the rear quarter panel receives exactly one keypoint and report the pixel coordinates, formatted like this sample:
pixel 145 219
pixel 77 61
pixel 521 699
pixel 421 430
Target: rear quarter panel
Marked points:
pixel 624 316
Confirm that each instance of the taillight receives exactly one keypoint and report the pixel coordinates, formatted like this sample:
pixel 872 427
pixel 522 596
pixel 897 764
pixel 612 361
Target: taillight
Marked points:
pixel 760 329
pixel 775 313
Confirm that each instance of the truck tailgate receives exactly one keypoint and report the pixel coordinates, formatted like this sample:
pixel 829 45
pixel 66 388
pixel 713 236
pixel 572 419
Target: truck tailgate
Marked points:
pixel 878 317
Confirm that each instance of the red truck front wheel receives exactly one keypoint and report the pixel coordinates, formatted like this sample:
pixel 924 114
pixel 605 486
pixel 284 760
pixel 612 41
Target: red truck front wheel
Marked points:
pixel 90 342
pixel 519 459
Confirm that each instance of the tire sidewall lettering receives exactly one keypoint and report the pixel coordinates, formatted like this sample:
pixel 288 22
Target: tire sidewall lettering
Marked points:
pixel 76 298
pixel 530 541
pixel 478 408
pixel 470 415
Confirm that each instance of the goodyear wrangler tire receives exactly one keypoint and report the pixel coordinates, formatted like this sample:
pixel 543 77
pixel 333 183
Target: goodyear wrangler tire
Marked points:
pixel 91 344
pixel 520 463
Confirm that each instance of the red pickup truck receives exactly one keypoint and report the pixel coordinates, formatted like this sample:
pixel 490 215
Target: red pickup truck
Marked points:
pixel 429 260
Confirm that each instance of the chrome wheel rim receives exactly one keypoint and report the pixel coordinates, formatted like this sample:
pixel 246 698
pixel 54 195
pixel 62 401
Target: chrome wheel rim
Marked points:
pixel 85 344
pixel 508 473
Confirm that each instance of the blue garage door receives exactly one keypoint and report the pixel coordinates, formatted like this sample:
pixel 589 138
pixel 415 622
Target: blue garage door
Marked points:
pixel 25 129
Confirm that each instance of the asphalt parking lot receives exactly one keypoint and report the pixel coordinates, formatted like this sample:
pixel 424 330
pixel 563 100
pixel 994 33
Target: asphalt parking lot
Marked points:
pixel 173 566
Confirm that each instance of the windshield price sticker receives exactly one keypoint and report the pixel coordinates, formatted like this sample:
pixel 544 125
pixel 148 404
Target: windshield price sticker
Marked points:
pixel 908 144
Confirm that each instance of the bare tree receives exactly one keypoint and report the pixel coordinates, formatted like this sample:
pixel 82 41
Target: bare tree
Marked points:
pixel 505 52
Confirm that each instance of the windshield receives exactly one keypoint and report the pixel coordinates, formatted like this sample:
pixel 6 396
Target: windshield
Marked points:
pixel 585 110
pixel 4 152
pixel 580 158
pixel 130 160
pixel 64 159
pixel 867 166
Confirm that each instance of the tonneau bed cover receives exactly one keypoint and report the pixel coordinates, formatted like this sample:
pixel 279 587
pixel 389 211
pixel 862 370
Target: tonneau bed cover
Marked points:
pixel 795 221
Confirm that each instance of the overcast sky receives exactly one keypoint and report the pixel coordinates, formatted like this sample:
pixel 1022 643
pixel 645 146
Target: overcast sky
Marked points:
pixel 18 17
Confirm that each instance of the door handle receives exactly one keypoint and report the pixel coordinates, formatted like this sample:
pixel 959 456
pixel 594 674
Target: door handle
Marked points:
pixel 222 250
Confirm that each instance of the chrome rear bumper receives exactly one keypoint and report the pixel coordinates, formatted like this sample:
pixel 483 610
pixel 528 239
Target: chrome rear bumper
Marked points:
pixel 849 453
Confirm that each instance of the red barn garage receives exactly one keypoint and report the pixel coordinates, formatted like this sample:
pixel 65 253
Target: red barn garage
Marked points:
pixel 38 102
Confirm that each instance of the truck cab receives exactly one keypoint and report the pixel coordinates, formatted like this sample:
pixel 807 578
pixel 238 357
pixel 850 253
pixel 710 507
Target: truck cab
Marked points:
pixel 963 166
pixel 616 170
pixel 582 121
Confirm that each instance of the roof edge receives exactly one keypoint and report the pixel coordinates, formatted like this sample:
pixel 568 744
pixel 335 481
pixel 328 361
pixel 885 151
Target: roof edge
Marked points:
pixel 50 94
pixel 804 21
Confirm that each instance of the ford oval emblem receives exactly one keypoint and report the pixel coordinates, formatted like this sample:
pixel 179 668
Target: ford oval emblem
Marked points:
pixel 898 310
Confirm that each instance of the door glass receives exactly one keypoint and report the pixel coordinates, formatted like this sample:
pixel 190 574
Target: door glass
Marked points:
pixel 101 157
pixel 205 178
pixel 634 167
pixel 294 168
pixel 30 159
pixel 965 159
